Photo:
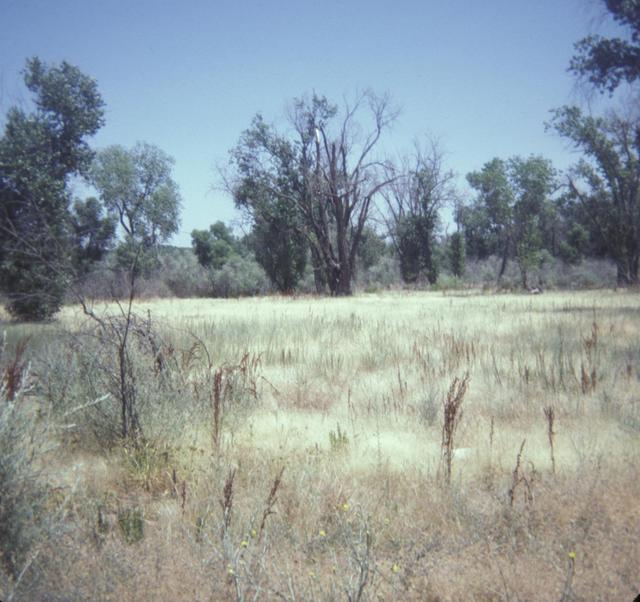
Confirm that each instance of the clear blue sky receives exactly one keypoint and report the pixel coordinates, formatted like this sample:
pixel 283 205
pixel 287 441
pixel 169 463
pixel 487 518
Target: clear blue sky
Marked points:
pixel 188 76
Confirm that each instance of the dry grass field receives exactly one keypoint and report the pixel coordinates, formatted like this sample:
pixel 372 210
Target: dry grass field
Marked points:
pixel 402 446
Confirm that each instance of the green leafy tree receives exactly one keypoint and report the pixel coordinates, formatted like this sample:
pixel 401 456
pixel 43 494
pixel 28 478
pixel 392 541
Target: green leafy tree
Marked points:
pixel 269 186
pixel 606 62
pixel 215 246
pixel 137 189
pixel 415 242
pixel 322 175
pixel 138 192
pixel 479 241
pixel 372 248
pixel 457 254
pixel 604 186
pixel 269 196
pixel 494 205
pixel 512 197
pixel 533 180
pixel 422 186
pixel 39 153
pixel 280 248
pixel 93 233
pixel 573 248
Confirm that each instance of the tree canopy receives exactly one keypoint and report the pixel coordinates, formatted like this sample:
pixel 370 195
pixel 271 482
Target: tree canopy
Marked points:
pixel 607 62
pixel 319 180
pixel 507 213
pixel 137 189
pixel 213 247
pixel 39 153
pixel 419 188
pixel 605 184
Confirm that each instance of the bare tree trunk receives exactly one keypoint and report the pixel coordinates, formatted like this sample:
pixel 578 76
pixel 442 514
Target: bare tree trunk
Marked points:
pixel 627 272
pixel 343 287
pixel 319 277
pixel 333 279
pixel 503 265
pixel 524 277
pixel 344 281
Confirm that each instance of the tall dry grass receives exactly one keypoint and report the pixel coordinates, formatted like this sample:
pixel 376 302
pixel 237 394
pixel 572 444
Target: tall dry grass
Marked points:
pixel 295 448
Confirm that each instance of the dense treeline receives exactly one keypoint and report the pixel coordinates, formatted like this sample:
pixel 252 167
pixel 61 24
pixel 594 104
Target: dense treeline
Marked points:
pixel 323 209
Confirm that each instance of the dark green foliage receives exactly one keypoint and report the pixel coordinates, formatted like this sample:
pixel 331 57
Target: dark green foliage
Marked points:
pixel 528 249
pixel 479 242
pixel 281 249
pixel 318 184
pixel 604 187
pixel 372 248
pixel 39 152
pixel 493 209
pixel 607 62
pixel 512 211
pixel 572 249
pixel 93 233
pixel 533 181
pixel 33 290
pixel 69 108
pixel 220 231
pixel 457 254
pixel 131 522
pixel 408 244
pixel 414 199
pixel 415 242
pixel 271 197
pixel 231 268
pixel 202 243
pixel 214 247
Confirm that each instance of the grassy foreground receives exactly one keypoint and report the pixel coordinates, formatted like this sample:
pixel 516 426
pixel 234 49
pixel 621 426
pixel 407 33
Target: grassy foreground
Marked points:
pixel 293 449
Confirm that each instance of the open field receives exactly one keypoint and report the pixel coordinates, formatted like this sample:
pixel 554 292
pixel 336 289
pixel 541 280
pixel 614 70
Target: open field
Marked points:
pixel 345 396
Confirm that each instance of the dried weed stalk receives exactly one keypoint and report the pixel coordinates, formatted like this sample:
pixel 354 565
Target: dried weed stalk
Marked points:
pixel 550 415
pixel 452 406
pixel 14 371
pixel 588 370
pixel 227 501
pixel 271 501
pixel 520 478
pixel 236 383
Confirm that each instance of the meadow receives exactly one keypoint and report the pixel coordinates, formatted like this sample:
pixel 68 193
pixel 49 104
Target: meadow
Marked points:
pixel 393 446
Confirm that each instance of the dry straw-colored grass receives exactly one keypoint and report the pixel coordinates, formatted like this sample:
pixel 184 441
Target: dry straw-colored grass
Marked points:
pixel 317 473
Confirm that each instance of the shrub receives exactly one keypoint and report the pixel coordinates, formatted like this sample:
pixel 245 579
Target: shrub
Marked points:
pixel 239 277
pixel 131 522
pixel 338 440
pixel 382 275
pixel 22 497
